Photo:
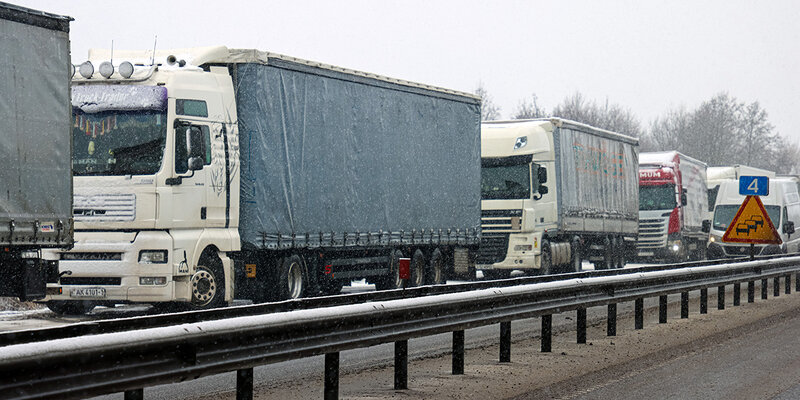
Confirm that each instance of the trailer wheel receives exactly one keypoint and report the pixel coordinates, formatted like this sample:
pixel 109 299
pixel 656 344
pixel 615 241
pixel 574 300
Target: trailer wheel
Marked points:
pixel 293 278
pixel 417 268
pixel 607 258
pixel 79 307
pixel 436 271
pixel 619 253
pixel 577 262
pixel 208 283
pixel 392 280
pixel 546 267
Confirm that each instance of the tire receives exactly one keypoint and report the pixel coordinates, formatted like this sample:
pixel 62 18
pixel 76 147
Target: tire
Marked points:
pixel 293 278
pixel 417 269
pixel 607 259
pixel 392 280
pixel 208 283
pixel 79 307
pixel 618 253
pixel 576 262
pixel 436 269
pixel 546 267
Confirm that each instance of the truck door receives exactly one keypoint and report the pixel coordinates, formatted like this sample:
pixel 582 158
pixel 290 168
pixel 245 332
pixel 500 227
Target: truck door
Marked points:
pixel 189 189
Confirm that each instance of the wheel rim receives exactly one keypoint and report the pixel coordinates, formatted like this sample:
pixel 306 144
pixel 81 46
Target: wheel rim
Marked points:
pixel 294 280
pixel 204 287
pixel 437 271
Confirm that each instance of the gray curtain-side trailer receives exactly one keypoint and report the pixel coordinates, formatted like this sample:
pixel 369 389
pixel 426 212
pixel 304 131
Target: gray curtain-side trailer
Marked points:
pixel 36 149
pixel 345 172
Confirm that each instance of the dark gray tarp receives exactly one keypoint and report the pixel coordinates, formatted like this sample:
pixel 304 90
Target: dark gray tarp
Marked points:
pixel 36 134
pixel 329 158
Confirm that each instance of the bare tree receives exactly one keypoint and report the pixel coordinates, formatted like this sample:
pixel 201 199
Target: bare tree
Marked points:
pixel 529 108
pixel 489 111
pixel 608 116
pixel 756 134
pixel 669 132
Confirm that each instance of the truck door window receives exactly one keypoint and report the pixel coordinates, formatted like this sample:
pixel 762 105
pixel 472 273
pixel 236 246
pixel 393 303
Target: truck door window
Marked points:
pixel 192 108
pixel 181 154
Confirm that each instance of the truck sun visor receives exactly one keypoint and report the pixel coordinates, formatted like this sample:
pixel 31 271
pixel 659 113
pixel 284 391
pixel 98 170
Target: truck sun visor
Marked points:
pixel 97 98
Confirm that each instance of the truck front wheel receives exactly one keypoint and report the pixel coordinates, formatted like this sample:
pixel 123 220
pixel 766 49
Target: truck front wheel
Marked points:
pixel 208 283
pixel 546 268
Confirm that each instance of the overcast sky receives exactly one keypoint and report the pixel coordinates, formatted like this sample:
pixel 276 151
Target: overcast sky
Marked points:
pixel 648 56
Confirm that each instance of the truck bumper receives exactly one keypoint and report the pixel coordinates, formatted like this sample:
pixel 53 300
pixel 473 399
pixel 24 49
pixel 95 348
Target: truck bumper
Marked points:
pixel 520 252
pixel 105 267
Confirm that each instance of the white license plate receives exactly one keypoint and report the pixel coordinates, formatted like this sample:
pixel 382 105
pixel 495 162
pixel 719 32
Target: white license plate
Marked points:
pixel 88 292
pixel 645 253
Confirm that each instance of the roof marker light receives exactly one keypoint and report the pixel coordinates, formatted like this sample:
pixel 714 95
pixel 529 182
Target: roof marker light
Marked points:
pixel 106 69
pixel 126 69
pixel 86 70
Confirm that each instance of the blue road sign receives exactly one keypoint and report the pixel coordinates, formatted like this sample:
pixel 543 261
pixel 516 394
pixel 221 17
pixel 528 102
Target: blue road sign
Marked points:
pixel 753 185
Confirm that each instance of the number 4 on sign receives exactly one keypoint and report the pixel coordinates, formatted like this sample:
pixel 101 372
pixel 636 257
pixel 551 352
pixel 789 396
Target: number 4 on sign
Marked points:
pixel 753 185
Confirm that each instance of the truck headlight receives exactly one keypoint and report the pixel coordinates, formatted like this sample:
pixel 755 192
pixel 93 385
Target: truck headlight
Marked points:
pixel 523 247
pixel 152 280
pixel 30 254
pixel 153 257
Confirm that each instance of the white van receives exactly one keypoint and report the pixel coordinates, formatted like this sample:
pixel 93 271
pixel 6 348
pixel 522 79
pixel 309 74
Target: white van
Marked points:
pixel 782 205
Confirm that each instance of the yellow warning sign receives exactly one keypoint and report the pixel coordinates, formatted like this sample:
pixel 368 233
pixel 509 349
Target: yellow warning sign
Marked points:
pixel 752 224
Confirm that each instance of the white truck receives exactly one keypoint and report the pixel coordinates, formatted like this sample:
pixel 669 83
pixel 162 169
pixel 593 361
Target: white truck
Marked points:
pixel 782 205
pixel 555 192
pixel 716 175
pixel 673 202
pixel 36 199
pixel 208 173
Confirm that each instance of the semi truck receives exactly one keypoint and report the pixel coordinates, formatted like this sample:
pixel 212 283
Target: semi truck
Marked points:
pixel 207 174
pixel 672 206
pixel 554 193
pixel 36 199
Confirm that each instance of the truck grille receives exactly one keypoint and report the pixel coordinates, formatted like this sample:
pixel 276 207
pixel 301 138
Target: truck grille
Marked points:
pixel 493 248
pixel 501 221
pixel 92 256
pixel 652 233
pixel 91 281
pixel 105 207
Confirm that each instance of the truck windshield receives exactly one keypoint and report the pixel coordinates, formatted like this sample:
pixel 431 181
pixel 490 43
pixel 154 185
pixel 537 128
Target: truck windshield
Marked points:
pixel 506 182
pixel 118 142
pixel 661 197
pixel 723 215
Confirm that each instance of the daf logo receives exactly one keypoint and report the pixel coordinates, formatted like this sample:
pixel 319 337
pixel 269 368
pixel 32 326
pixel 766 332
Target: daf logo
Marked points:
pixel 521 142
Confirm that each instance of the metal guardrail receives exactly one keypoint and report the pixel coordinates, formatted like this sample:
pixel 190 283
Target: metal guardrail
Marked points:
pixel 157 320
pixel 128 361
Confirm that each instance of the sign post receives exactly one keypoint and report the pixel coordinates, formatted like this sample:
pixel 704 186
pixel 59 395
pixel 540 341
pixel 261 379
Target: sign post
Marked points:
pixel 752 223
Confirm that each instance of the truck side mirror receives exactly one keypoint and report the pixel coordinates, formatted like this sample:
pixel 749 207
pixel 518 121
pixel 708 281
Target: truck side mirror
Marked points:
pixel 788 227
pixel 706 228
pixel 683 198
pixel 543 189
pixel 194 142
pixel 541 175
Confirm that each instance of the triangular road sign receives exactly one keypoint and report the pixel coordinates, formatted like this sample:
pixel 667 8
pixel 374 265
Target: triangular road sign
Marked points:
pixel 752 224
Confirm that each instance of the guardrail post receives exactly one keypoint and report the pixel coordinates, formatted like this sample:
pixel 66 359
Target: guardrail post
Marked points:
pixel 134 394
pixel 788 283
pixel 662 309
pixel 458 353
pixel 505 341
pixel 721 297
pixel 612 320
pixel 547 333
pixel 331 377
pixel 751 291
pixel 401 365
pixel 737 294
pixel 581 328
pixel 244 382
pixel 704 301
pixel 638 314
pixel 776 286
pixel 797 282
pixel 684 304
pixel 763 289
